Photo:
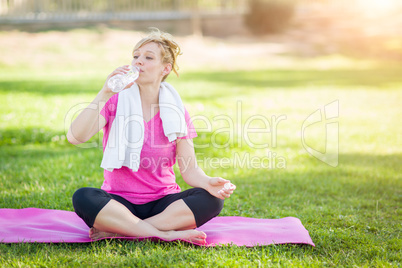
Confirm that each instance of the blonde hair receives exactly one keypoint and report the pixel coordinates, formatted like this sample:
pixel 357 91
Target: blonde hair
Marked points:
pixel 169 48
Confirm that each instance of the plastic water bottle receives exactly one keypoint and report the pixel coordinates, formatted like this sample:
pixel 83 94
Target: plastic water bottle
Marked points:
pixel 119 81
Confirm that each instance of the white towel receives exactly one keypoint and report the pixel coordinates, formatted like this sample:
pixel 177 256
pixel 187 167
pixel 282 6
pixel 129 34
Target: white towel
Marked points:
pixel 126 136
pixel 172 112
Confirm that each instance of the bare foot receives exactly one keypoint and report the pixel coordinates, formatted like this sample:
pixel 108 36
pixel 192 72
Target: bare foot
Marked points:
pixel 95 234
pixel 188 235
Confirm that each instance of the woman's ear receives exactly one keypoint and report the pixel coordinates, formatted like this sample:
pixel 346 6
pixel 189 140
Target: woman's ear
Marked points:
pixel 167 69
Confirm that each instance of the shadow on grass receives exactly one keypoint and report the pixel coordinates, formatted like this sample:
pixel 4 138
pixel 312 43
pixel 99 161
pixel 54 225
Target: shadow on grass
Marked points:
pixel 30 135
pixel 51 87
pixel 291 79
pixel 391 161
pixel 297 78
pixel 23 136
pixel 239 82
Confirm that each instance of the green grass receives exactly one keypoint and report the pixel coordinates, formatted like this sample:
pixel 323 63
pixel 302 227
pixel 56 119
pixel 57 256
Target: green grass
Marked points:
pixel 352 211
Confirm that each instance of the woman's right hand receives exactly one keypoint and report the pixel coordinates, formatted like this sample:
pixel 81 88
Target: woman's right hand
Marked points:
pixel 89 121
pixel 118 71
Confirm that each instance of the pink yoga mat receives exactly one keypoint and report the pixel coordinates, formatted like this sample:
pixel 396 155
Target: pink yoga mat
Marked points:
pixel 58 226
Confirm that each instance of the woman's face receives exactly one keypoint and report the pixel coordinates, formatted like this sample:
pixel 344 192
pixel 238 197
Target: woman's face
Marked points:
pixel 149 60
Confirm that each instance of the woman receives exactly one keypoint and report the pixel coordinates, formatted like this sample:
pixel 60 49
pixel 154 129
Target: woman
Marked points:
pixel 147 202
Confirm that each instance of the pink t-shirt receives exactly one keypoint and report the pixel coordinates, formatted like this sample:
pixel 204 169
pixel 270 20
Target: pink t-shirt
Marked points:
pixel 155 177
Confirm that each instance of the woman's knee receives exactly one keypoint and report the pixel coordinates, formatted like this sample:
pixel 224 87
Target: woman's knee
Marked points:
pixel 204 206
pixel 87 203
pixel 213 203
pixel 217 204
pixel 82 196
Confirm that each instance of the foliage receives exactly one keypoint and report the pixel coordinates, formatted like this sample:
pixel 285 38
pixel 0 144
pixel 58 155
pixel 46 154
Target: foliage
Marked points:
pixel 269 16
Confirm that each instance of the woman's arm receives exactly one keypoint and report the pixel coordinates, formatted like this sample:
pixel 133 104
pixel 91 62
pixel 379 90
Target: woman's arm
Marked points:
pixel 194 176
pixel 89 121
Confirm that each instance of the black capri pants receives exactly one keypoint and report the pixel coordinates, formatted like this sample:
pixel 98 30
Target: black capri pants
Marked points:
pixel 88 202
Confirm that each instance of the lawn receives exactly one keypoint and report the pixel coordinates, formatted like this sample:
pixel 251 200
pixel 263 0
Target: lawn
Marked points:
pixel 250 130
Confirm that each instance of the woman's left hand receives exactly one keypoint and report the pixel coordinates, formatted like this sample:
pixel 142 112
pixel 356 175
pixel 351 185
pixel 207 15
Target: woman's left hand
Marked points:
pixel 216 187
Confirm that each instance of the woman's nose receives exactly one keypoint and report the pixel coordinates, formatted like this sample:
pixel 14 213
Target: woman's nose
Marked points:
pixel 136 62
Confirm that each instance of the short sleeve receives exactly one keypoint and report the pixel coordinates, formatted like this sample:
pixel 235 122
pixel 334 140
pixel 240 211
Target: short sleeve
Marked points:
pixel 109 110
pixel 191 133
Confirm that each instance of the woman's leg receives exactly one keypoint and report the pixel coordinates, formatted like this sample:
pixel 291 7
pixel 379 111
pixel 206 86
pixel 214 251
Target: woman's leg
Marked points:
pixel 115 218
pixel 108 217
pixel 186 210
pixel 177 216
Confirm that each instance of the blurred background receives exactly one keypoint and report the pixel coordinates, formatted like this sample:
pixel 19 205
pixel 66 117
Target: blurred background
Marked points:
pixel 222 33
